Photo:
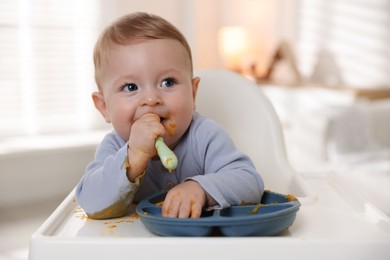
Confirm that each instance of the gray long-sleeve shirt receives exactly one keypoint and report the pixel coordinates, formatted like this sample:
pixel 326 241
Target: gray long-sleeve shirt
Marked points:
pixel 205 153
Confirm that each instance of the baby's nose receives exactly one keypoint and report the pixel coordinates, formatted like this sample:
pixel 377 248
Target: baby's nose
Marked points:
pixel 151 99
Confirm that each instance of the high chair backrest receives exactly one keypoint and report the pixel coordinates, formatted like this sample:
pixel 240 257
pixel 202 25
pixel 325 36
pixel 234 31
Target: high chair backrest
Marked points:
pixel 240 107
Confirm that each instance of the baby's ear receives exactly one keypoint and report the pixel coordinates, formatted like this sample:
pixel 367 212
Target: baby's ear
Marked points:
pixel 195 85
pixel 100 104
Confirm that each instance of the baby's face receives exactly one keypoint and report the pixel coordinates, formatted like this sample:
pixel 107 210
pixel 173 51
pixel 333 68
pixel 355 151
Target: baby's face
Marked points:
pixel 149 76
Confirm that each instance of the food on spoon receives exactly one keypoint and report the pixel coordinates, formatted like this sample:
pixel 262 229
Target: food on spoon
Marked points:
pixel 167 156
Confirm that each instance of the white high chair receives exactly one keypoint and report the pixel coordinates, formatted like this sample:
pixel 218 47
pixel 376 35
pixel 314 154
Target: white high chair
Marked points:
pixel 246 114
pixel 338 225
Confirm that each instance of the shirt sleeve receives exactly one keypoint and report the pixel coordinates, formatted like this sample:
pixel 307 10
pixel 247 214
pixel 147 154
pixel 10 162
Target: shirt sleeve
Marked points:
pixel 105 191
pixel 230 177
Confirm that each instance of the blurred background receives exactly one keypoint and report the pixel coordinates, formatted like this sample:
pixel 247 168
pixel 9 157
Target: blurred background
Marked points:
pixel 325 65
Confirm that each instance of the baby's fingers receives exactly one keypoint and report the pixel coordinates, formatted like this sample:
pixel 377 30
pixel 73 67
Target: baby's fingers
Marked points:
pixel 196 209
pixel 190 209
pixel 177 208
pixel 170 208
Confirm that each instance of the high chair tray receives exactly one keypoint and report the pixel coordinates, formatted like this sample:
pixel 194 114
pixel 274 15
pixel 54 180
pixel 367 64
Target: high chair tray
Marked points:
pixel 275 214
pixel 332 223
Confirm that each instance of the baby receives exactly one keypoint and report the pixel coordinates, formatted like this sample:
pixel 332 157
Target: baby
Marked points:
pixel 146 90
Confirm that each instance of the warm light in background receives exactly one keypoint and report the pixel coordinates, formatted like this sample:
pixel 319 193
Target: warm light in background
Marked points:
pixel 233 43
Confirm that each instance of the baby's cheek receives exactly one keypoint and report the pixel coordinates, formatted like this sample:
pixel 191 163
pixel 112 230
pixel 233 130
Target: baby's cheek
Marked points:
pixel 123 131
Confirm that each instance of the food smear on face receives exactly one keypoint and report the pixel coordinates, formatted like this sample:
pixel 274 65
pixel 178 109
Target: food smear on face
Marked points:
pixel 169 125
pixel 171 128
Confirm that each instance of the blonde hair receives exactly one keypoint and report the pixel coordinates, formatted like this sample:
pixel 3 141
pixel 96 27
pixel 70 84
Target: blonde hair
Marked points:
pixel 134 26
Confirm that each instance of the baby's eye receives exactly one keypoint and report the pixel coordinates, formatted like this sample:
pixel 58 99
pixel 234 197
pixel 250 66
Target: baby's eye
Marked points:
pixel 168 82
pixel 129 87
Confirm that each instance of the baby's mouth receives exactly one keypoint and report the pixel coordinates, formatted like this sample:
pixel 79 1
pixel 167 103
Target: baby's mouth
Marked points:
pixel 163 120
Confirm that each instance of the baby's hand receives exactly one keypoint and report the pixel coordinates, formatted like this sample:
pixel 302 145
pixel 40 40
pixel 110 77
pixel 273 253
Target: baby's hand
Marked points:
pixel 184 200
pixel 141 142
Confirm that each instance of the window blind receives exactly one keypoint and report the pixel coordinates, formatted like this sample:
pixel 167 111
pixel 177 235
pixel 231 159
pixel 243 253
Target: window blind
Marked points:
pixel 355 32
pixel 46 65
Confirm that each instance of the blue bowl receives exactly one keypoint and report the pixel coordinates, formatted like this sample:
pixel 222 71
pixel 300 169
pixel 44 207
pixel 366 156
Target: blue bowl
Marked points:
pixel 275 214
